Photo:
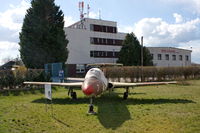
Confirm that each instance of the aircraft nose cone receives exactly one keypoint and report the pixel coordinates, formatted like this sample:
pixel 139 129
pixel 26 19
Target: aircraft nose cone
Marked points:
pixel 88 90
pixel 89 86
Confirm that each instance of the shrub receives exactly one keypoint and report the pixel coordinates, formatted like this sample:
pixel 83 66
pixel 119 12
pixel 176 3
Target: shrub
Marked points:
pixel 153 73
pixel 14 79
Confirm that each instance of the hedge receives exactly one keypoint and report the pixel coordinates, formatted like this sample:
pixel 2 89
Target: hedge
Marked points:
pixel 134 74
pixel 14 79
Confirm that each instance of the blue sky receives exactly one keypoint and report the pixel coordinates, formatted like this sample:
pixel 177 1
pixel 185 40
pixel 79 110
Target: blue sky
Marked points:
pixel 174 23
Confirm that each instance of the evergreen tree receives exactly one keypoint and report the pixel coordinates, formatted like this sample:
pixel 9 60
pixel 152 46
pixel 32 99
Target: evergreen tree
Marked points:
pixel 42 39
pixel 147 60
pixel 130 53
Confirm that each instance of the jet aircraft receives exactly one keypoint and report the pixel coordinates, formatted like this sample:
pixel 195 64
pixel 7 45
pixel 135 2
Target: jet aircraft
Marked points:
pixel 95 83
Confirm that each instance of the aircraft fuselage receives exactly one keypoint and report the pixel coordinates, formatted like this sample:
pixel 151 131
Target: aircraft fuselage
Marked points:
pixel 95 82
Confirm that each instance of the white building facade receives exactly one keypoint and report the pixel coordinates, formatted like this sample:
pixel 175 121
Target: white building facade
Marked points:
pixel 95 36
pixel 92 41
pixel 170 56
pixel 98 41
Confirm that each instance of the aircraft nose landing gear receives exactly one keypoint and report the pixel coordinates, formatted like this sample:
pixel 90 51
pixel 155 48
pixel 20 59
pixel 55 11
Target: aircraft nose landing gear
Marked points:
pixel 91 108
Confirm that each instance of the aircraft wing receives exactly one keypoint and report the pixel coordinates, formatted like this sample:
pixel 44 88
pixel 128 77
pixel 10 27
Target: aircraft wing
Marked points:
pixel 155 83
pixel 76 84
pixel 121 85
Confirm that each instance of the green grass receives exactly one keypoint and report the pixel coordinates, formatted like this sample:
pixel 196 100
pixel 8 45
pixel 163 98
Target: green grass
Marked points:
pixel 163 109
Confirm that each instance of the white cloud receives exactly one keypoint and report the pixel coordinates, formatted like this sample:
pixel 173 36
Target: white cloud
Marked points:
pixel 11 21
pixel 158 31
pixel 195 47
pixel 10 24
pixel 13 17
pixel 94 15
pixel 69 21
pixel 191 5
pixel 194 5
pixel 126 29
pixel 8 50
pixel 5 45
pixel 178 18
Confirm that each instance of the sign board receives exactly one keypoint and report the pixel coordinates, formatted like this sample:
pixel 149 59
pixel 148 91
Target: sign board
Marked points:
pixel 61 75
pixel 48 94
pixel 168 51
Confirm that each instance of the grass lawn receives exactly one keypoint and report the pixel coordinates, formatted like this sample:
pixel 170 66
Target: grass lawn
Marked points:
pixel 154 109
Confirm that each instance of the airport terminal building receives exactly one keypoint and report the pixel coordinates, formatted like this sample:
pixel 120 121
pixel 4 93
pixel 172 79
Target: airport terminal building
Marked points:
pixel 98 41
pixel 92 41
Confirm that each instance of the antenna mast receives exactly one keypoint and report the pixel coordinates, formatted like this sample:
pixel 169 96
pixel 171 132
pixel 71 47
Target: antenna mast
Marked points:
pixel 81 9
pixel 88 10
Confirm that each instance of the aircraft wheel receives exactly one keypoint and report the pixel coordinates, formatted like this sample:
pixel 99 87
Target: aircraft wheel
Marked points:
pixel 91 110
pixel 125 95
pixel 74 96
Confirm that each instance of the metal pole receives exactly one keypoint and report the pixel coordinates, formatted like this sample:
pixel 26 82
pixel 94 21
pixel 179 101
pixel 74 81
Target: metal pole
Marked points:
pixel 51 108
pixel 113 56
pixel 142 58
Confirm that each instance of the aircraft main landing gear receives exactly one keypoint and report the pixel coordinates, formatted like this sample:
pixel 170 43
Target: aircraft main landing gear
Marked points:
pixel 72 94
pixel 126 94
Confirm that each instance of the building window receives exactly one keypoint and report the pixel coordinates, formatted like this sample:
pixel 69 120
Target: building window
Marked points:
pixel 118 42
pixel 97 40
pixel 152 56
pixel 92 40
pixel 105 41
pixel 91 53
pixel 167 57
pixel 109 41
pixel 98 53
pixel 159 57
pixel 173 57
pixel 102 28
pixel 114 42
pixel 80 68
pixel 180 57
pixel 92 27
pixel 104 54
pixel 113 53
pixel 187 58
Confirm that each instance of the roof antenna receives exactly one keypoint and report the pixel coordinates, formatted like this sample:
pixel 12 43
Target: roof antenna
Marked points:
pixel 81 9
pixel 88 10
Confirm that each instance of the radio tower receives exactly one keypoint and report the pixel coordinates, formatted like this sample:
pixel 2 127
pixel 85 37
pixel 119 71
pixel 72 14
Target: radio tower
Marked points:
pixel 81 9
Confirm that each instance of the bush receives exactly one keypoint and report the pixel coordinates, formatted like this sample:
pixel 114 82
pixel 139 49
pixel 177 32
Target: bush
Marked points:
pixel 14 79
pixel 153 73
